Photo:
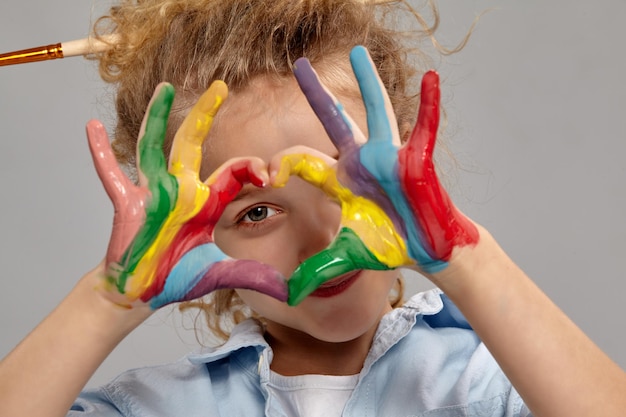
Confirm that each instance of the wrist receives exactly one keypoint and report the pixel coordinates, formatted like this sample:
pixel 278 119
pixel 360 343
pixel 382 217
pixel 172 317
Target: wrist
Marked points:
pixel 117 317
pixel 473 267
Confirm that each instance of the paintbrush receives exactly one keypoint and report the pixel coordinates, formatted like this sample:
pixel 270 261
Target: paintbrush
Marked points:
pixel 78 47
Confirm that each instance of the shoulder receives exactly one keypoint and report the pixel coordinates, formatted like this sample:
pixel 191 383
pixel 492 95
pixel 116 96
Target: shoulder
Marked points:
pixel 437 360
pixel 145 391
pixel 210 381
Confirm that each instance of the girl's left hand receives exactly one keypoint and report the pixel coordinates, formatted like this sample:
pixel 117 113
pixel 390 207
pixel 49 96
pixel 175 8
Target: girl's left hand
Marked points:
pixel 394 210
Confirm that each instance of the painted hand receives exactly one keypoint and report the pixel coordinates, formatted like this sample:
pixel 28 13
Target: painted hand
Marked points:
pixel 161 249
pixel 394 210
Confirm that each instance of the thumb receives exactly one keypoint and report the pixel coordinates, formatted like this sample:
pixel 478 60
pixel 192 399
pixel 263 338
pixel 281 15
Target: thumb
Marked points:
pixel 345 254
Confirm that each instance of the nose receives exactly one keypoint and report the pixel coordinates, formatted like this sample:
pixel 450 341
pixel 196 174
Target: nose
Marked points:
pixel 316 227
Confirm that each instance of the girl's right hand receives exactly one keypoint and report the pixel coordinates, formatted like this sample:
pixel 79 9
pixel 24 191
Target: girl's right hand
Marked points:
pixel 395 211
pixel 161 249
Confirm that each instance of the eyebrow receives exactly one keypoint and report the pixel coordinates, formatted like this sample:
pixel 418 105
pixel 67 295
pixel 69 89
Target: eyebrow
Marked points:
pixel 247 191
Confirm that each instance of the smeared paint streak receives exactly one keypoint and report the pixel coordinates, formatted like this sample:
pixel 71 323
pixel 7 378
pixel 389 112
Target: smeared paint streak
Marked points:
pixel 346 253
pixel 420 213
pixel 339 129
pixel 162 186
pixel 172 256
pixel 380 157
pixel 363 216
pixel 185 161
pixel 445 226
pixel 224 185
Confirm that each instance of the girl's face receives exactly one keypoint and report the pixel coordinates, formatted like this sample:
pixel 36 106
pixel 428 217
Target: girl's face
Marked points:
pixel 284 226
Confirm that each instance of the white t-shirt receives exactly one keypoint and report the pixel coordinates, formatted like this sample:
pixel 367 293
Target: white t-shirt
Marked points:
pixel 313 395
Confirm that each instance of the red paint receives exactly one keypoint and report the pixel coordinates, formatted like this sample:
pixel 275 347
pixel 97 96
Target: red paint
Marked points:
pixel 443 224
pixel 199 230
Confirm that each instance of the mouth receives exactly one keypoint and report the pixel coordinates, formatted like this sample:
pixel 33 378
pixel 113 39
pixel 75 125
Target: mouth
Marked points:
pixel 336 285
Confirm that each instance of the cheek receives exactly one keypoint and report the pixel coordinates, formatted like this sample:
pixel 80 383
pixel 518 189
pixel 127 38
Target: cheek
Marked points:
pixel 271 250
pixel 263 305
pixel 376 286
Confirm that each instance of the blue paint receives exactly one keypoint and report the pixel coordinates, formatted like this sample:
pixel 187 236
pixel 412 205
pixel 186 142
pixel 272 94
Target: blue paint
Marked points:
pixel 187 272
pixel 380 156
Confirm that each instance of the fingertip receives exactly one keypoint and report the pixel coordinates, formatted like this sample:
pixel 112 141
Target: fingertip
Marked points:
pixel 220 85
pixel 94 124
pixel 259 175
pixel 301 63
pixel 430 80
pixel 359 52
pixel 279 169
pixel 273 167
pixel 430 96
pixel 162 100
pixel 95 129
pixel 306 77
pixel 163 85
pixel 219 90
pixel 360 60
pixel 298 290
pixel 432 73
pixel 96 134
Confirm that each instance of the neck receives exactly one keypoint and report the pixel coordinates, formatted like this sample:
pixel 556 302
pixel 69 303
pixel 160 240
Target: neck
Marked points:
pixel 298 353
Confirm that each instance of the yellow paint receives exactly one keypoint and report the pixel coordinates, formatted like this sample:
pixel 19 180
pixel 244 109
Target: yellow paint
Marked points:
pixel 185 161
pixel 362 215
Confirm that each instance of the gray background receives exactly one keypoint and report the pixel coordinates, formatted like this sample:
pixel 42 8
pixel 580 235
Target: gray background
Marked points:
pixel 535 104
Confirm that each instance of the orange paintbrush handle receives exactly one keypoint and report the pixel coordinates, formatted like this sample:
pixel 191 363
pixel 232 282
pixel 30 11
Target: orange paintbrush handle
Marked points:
pixel 58 50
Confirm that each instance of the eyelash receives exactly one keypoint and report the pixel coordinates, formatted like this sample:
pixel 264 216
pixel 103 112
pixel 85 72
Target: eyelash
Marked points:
pixel 241 221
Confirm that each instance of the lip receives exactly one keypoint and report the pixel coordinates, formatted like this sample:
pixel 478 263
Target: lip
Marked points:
pixel 336 285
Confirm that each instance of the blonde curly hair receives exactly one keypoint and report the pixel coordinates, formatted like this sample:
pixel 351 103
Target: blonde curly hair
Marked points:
pixel 190 43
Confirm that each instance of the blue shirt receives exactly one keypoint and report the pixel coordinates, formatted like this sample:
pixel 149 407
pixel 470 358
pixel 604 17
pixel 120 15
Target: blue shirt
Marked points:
pixel 424 361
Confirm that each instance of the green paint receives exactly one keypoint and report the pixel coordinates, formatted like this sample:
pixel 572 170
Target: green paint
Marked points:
pixel 345 254
pixel 163 186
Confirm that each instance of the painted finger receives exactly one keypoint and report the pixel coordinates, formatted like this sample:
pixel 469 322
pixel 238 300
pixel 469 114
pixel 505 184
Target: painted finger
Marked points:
pixel 347 253
pixel 417 172
pixel 338 125
pixel 229 178
pixel 313 169
pixel 151 163
pixel 115 182
pixel 206 268
pixel 443 226
pixel 192 194
pixel 424 135
pixel 381 124
pixel 379 154
pixel 176 240
pixel 128 200
pixel 162 186
pixel 186 153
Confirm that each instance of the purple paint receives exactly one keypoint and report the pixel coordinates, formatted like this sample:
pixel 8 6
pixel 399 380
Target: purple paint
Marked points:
pixel 350 171
pixel 244 274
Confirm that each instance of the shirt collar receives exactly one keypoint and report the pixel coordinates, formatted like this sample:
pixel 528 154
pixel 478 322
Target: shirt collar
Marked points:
pixel 245 335
pixel 394 326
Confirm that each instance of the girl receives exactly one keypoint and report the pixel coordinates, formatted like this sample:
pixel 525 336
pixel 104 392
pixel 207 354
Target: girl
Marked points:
pixel 344 348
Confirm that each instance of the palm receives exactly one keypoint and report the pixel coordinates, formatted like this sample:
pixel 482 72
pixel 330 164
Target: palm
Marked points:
pixel 161 249
pixel 395 206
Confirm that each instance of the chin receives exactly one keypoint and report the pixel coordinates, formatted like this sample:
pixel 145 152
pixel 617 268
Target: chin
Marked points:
pixel 343 334
pixel 334 318
pixel 340 323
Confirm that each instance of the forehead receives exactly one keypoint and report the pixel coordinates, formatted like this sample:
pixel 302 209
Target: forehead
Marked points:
pixel 266 117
